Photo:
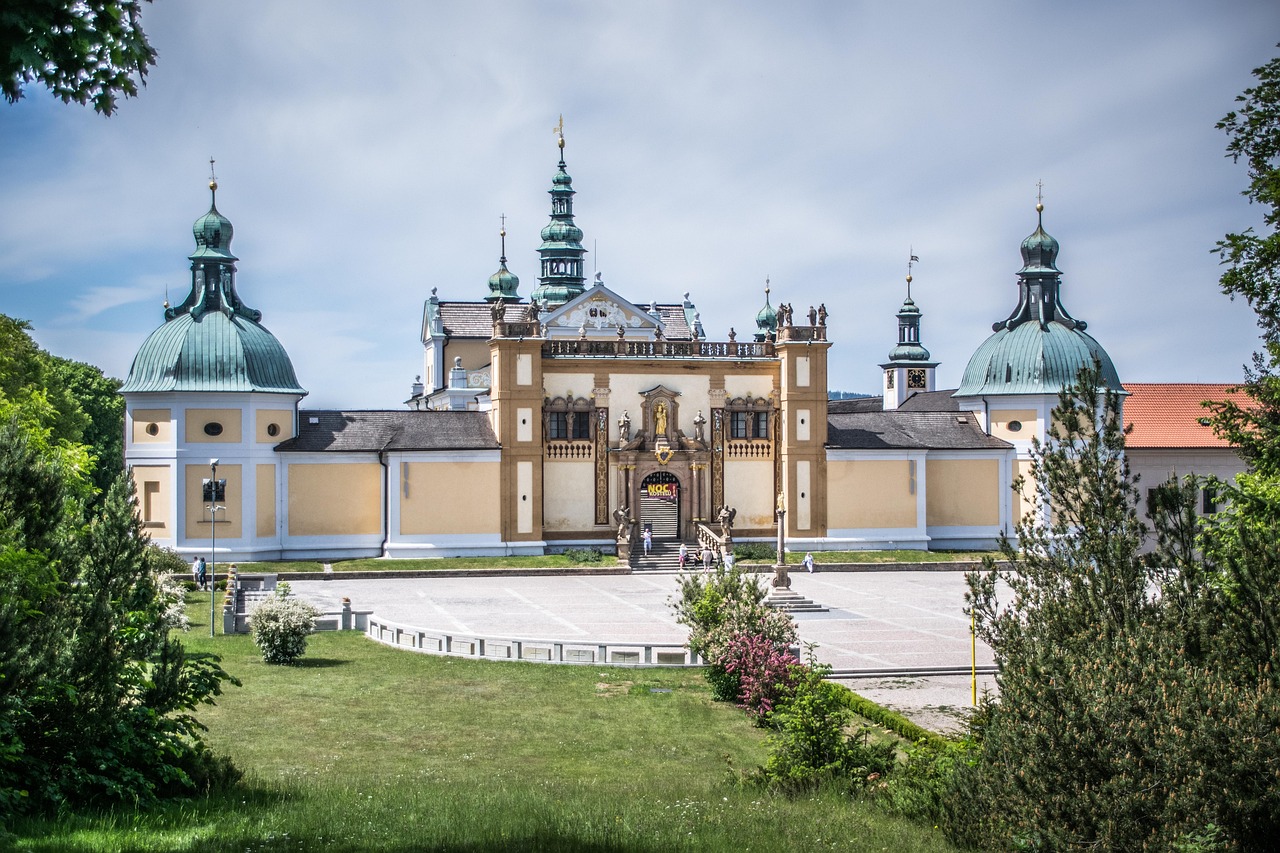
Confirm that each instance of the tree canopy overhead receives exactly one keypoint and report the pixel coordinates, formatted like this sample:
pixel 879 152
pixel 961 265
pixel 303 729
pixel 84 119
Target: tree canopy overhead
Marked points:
pixel 83 50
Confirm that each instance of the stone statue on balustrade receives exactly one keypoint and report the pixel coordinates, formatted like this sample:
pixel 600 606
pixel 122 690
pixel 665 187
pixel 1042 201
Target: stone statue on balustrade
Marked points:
pixel 727 515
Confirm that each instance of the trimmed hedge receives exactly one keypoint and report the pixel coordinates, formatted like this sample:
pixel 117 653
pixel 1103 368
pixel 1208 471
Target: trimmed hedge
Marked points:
pixel 894 722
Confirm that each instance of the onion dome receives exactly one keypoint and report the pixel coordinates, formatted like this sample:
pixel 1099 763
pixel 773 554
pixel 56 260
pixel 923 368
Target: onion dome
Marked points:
pixel 1040 348
pixel 561 250
pixel 503 284
pixel 212 341
pixel 766 318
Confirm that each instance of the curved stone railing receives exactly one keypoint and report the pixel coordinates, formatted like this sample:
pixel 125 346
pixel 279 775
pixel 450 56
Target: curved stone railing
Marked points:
pixel 594 652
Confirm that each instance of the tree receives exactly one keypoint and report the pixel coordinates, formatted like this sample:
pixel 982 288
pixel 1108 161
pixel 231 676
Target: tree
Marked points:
pixel 82 50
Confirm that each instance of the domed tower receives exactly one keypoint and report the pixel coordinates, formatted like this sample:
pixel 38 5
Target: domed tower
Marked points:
pixel 909 369
pixel 503 284
pixel 766 319
pixel 1013 379
pixel 210 383
pixel 561 249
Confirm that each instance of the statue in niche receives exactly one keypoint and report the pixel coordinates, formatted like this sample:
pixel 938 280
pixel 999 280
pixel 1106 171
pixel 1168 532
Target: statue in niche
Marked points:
pixel 698 423
pixel 624 428
pixel 660 419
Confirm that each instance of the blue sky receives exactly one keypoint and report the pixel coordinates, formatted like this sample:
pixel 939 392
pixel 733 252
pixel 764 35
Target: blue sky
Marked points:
pixel 365 153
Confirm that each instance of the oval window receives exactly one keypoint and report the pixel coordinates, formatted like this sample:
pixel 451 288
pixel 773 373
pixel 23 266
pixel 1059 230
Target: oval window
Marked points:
pixel 273 430
pixel 153 429
pixel 1015 426
pixel 213 428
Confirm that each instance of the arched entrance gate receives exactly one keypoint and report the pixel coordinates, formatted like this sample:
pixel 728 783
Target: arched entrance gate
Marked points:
pixel 660 505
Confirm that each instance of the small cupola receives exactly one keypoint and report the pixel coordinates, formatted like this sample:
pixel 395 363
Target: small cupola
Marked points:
pixel 766 318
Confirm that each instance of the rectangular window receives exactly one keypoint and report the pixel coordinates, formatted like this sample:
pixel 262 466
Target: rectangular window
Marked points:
pixel 738 425
pixel 761 425
pixel 558 426
pixel 1208 500
pixel 582 425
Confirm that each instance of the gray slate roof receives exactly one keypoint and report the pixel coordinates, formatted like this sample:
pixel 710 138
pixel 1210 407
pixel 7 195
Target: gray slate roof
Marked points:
pixel 474 320
pixel 899 430
pixel 855 404
pixel 348 432
pixel 930 401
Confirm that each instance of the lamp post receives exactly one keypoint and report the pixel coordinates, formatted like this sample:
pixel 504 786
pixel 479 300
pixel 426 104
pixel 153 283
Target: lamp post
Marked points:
pixel 214 490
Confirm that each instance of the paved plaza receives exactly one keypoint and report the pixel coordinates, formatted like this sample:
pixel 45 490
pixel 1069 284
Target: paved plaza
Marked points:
pixel 877 620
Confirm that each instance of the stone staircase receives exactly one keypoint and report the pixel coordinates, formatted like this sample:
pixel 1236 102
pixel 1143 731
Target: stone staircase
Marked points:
pixel 663 557
pixel 792 602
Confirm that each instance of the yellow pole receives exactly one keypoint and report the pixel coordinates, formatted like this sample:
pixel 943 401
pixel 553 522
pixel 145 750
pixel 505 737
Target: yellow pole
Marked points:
pixel 973 657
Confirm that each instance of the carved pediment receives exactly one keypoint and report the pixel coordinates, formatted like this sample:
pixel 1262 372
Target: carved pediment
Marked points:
pixel 600 312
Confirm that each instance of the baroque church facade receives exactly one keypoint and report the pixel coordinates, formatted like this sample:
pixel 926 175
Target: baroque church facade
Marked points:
pixel 577 418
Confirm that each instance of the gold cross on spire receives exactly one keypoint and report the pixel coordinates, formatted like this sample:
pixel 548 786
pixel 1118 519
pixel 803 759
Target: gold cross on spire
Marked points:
pixel 559 131
pixel 213 179
pixel 1039 196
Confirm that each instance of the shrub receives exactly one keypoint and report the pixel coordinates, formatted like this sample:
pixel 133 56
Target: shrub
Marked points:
pixel 755 551
pixel 811 745
pixel 280 626
pixel 583 555
pixel 764 673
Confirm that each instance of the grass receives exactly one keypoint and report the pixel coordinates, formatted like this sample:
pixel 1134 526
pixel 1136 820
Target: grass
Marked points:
pixel 364 747
pixel 560 561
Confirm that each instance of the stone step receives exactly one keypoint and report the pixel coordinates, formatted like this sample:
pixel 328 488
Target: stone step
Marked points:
pixel 792 602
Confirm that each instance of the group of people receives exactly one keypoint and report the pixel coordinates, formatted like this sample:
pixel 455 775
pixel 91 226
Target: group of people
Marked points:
pixel 707 556
pixel 199 573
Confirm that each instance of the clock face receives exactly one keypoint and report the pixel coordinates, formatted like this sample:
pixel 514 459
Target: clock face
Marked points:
pixel 888 379
pixel 915 378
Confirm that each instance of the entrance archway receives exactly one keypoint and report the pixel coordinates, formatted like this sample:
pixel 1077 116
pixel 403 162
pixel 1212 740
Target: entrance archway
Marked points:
pixel 660 505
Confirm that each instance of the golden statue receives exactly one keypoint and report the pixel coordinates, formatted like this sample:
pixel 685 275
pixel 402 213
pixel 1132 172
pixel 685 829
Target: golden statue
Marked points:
pixel 660 419
pixel 782 502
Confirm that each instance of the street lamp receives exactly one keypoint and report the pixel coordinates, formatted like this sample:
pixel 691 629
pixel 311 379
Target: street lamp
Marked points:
pixel 214 490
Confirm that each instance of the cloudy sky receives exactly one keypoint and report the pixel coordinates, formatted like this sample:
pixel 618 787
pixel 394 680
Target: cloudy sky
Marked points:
pixel 365 152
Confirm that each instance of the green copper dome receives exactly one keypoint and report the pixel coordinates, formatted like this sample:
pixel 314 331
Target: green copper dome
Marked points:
pixel 212 341
pixel 1040 348
pixel 766 318
pixel 909 347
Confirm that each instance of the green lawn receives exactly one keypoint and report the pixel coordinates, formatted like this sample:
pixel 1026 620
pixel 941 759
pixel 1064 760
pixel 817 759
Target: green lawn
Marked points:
pixel 560 561
pixel 369 748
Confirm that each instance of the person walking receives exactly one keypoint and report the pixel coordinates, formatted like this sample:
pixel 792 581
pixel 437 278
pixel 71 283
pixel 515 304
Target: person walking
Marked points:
pixel 195 570
pixel 202 577
pixel 706 559
pixel 808 562
pixel 684 554
pixel 648 541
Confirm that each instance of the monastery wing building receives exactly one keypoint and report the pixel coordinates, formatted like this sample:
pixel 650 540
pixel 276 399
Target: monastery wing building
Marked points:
pixel 576 418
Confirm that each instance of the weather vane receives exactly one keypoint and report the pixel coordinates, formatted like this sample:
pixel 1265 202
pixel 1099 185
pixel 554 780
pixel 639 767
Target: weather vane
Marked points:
pixel 213 179
pixel 912 258
pixel 1039 195
pixel 559 130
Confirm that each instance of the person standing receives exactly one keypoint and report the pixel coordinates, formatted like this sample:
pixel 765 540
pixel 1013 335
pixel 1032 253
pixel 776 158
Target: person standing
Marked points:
pixel 202 577
pixel 195 570
pixel 648 541
pixel 706 559
pixel 808 562
pixel 684 554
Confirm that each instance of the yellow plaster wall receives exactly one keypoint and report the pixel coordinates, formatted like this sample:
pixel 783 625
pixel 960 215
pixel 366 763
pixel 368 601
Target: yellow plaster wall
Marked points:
pixel 560 384
pixel 155 492
pixel 748 487
pixel 737 385
pixel 197 418
pixel 266 498
pixel 870 493
pixel 1026 497
pixel 963 492
pixel 338 499
pixel 1000 419
pixel 162 418
pixel 568 496
pixel 449 497
pixel 197 524
pixel 281 418
pixel 474 355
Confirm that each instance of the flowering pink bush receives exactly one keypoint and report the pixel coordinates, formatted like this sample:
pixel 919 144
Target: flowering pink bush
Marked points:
pixel 764 671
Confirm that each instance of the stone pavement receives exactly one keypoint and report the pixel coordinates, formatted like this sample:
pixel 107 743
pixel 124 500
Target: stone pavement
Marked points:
pixel 877 620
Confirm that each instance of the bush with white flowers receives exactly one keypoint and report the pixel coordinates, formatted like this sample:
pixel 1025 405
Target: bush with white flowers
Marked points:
pixel 280 626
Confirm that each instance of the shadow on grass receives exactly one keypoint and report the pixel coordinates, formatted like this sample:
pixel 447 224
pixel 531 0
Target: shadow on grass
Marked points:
pixel 320 663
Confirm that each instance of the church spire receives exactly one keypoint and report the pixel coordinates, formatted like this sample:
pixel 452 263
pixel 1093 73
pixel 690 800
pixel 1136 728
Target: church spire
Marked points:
pixel 562 254
pixel 213 267
pixel 909 369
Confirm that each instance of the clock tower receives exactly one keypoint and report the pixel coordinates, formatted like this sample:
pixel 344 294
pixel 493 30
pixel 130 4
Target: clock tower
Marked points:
pixel 908 370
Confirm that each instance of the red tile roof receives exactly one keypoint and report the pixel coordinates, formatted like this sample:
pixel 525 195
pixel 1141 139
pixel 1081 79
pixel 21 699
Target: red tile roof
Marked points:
pixel 1170 414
